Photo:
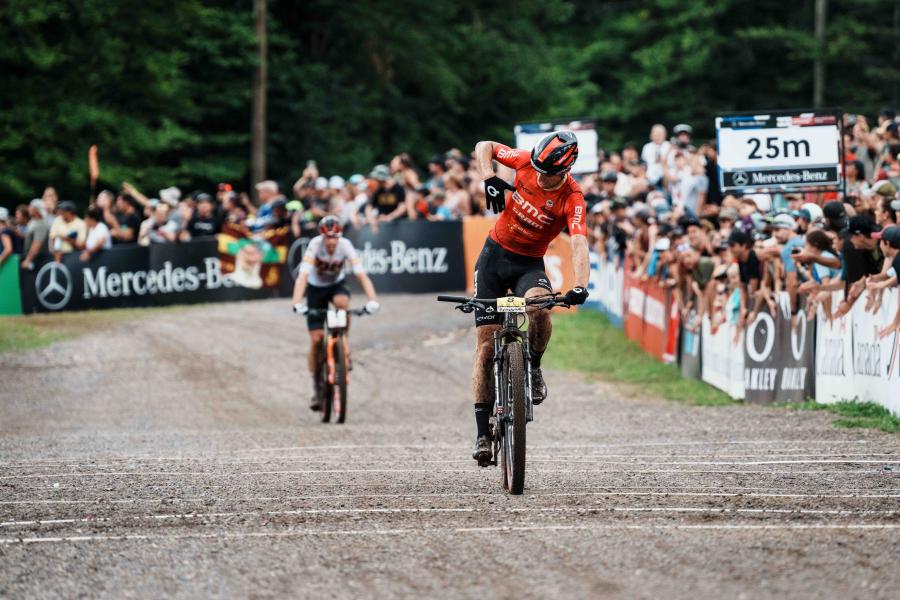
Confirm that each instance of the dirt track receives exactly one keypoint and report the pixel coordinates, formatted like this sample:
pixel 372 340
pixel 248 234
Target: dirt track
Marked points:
pixel 176 457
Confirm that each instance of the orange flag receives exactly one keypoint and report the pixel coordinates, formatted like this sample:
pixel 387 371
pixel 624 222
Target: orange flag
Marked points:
pixel 93 165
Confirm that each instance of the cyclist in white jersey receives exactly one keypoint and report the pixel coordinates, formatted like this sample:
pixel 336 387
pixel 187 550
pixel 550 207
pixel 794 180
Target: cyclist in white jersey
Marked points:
pixel 321 280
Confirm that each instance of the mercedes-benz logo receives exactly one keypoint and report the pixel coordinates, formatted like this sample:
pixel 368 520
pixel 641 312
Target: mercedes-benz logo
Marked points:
pixel 740 178
pixel 53 285
pixel 295 256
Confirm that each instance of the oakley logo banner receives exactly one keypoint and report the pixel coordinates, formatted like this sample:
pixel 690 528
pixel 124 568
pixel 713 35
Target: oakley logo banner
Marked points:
pixel 494 192
pixel 53 286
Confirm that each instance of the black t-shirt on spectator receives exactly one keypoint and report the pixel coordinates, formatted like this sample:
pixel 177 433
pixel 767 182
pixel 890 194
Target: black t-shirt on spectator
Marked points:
pixel 14 239
pixel 203 226
pixel 131 222
pixel 750 268
pixel 859 263
pixel 713 193
pixel 387 200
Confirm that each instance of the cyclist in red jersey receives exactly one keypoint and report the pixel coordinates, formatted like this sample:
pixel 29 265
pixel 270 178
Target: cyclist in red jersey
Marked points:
pixel 544 200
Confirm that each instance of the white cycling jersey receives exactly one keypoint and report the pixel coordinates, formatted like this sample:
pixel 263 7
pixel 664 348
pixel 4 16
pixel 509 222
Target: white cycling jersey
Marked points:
pixel 324 269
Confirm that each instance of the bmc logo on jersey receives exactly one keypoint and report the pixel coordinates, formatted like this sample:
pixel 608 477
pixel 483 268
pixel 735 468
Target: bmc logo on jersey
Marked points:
pixel 531 210
pixel 579 214
pixel 504 153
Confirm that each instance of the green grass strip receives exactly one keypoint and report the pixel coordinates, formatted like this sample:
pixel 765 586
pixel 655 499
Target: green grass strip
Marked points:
pixel 587 342
pixel 21 333
pixel 868 415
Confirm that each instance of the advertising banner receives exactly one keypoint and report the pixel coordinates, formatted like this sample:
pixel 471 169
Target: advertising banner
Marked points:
pixel 834 356
pixel 130 276
pixel 778 357
pixel 413 256
pixel 690 352
pixel 10 301
pixel 633 306
pixel 605 289
pixel 783 150
pixel 722 358
pixel 874 361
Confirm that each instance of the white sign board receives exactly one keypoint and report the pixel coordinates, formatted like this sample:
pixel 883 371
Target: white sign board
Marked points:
pixel 529 134
pixel 779 151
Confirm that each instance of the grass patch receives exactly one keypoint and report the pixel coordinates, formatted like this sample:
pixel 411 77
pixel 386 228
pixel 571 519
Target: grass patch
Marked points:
pixel 586 341
pixel 22 333
pixel 854 414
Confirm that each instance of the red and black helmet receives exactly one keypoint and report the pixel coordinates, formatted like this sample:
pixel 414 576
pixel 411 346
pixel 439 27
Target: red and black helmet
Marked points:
pixel 330 226
pixel 555 153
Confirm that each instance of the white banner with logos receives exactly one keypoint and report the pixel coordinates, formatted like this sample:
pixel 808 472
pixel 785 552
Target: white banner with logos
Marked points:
pixel 852 363
pixel 722 359
pixel 606 288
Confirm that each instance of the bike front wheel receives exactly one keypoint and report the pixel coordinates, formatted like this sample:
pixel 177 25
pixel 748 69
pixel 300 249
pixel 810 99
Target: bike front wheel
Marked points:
pixel 339 386
pixel 514 417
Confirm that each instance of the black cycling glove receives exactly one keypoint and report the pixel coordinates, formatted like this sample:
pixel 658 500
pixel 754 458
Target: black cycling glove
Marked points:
pixel 495 193
pixel 575 296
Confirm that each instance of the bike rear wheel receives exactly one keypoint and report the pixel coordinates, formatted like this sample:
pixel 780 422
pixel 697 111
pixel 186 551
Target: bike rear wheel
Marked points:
pixel 513 386
pixel 339 387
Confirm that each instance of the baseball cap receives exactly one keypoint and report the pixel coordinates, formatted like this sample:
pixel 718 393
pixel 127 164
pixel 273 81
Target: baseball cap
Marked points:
pixel 294 205
pixel 833 210
pixel 279 203
pixel 268 184
pixel 609 176
pixel 813 210
pixel 170 195
pixel 784 221
pixel 683 128
pixel 381 173
pixel 860 225
pixel 4 213
pixel 890 235
pixel 336 182
pixel 38 204
pixel 203 197
pixel 356 179
pixel 67 205
pixel 884 188
pixel 895 205
pixel 321 183
pixel 728 213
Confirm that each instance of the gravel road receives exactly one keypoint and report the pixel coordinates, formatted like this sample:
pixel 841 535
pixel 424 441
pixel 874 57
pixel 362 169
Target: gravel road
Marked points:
pixel 176 457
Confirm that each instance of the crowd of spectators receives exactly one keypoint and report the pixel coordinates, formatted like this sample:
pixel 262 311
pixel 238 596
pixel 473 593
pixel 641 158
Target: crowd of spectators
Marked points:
pixel 660 214
pixel 656 209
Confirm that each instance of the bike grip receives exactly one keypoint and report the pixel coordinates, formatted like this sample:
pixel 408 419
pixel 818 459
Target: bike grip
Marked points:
pixel 458 299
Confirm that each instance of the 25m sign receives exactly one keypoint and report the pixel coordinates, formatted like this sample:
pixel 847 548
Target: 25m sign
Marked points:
pixel 785 151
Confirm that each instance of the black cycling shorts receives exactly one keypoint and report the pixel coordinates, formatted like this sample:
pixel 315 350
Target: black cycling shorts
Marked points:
pixel 498 270
pixel 320 297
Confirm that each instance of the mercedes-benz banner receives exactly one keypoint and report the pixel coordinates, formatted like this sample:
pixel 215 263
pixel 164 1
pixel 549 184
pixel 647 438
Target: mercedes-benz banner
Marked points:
pixel 413 256
pixel 784 150
pixel 132 276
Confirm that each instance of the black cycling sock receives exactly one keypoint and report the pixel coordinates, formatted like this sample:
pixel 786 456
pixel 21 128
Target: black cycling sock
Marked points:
pixel 482 417
pixel 536 359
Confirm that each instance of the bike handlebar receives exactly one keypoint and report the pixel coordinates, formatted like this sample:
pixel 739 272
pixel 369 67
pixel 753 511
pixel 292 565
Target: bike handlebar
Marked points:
pixel 544 300
pixel 321 312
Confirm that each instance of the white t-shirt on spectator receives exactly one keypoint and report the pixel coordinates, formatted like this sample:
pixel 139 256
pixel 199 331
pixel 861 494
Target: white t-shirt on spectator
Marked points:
pixel 97 233
pixel 653 154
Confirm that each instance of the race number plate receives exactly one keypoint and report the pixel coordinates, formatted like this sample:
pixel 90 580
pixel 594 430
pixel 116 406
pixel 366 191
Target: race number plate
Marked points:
pixel 337 319
pixel 511 304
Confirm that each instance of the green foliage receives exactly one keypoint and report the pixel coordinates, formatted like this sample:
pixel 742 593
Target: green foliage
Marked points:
pixel 164 86
pixel 587 342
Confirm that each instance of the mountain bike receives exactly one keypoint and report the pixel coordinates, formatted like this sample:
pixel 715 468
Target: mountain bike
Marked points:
pixel 332 374
pixel 513 405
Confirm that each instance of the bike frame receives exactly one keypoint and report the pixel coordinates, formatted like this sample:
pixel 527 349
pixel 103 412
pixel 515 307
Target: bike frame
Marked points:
pixel 509 332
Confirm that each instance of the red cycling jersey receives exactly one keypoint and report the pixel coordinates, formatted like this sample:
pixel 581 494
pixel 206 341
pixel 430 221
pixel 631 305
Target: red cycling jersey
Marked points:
pixel 533 216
